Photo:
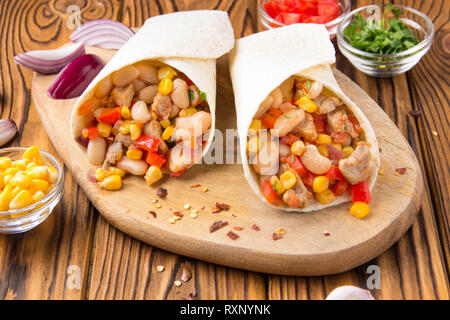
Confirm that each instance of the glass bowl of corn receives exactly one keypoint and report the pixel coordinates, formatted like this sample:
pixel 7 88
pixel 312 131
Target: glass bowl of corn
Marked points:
pixel 31 185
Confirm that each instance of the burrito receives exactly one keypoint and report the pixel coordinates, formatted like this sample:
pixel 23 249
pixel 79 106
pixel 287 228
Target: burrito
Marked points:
pixel 151 109
pixel 304 144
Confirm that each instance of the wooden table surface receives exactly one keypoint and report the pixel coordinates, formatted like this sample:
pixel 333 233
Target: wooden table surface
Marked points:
pixel 41 263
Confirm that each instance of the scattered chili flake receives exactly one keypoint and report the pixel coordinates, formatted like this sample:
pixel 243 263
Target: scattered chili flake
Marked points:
pixel 160 268
pixel 190 296
pixel 157 206
pixel 256 228
pixel 222 206
pixel 434 133
pixel 381 172
pixel 186 275
pixel 232 235
pixel 202 208
pixel 204 189
pixel 177 283
pixel 276 236
pixel 233 215
pixel 326 233
pixel 238 228
pixel 196 185
pixel 401 170
pixel 217 225
pixel 215 209
pixel 171 220
pixel 415 113
pixel 161 192
pixel 154 200
pixel 280 231
pixel 187 206
pixel 153 213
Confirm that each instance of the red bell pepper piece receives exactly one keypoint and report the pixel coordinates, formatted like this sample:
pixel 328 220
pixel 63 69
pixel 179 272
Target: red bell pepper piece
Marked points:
pixel 271 117
pixel 335 174
pixel 90 133
pixel 361 192
pixel 355 123
pixel 178 173
pixel 296 164
pixel 320 122
pixel 110 116
pixel 340 187
pixel 308 179
pixel 268 192
pixel 155 159
pixel 148 143
pixel 289 139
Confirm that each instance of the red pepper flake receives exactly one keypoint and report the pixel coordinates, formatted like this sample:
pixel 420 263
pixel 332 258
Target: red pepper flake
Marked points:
pixel 276 236
pixel 401 170
pixel 415 113
pixel 190 296
pixel 177 213
pixel 238 228
pixel 215 209
pixel 202 208
pixel 222 206
pixel 196 186
pixel 161 192
pixel 153 213
pixel 233 215
pixel 256 228
pixel 217 225
pixel 232 235
pixel 326 233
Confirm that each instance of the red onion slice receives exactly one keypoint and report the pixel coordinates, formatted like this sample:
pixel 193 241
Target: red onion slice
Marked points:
pixel 50 61
pixel 75 77
pixel 8 130
pixel 102 33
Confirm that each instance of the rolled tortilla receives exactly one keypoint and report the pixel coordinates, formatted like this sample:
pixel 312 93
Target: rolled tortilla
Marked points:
pixel 261 62
pixel 188 41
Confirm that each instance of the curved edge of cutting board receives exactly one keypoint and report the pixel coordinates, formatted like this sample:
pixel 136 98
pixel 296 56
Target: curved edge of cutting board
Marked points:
pixel 303 250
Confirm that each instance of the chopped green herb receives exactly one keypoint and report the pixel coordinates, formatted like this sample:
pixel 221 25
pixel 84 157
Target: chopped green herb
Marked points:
pixel 292 158
pixel 202 95
pixel 380 37
pixel 287 117
pixel 191 94
pixel 308 84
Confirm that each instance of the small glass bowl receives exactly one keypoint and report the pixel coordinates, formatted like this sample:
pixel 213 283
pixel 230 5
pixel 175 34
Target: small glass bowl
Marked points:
pixel 388 65
pixel 269 23
pixel 22 220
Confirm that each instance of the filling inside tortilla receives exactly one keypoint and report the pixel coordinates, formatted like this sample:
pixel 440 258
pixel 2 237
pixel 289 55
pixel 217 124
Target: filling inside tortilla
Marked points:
pixel 307 146
pixel 144 119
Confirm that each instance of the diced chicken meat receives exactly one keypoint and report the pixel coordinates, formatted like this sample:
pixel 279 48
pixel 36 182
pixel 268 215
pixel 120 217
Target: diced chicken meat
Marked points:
pixel 356 167
pixel 326 104
pixel 154 128
pixel 113 154
pixel 194 97
pixel 339 122
pixel 162 105
pixel 299 196
pixel 123 96
pixel 306 128
pixel 124 139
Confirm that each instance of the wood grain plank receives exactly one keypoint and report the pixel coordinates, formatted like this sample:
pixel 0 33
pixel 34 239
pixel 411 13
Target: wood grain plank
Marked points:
pixel 35 263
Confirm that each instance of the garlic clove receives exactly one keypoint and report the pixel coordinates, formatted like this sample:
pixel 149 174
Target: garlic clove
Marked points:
pixel 350 293
pixel 8 130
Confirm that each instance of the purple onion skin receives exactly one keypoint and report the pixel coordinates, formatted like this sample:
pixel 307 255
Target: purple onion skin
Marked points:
pixel 75 77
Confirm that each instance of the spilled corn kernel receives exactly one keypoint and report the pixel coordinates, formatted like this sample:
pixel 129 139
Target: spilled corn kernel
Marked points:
pixel 359 209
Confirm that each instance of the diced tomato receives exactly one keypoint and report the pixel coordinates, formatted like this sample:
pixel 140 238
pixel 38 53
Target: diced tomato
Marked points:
pixel 282 6
pixel 110 116
pixel 270 118
pixel 316 19
pixel 355 123
pixel 291 18
pixel 268 192
pixel 271 9
pixel 320 122
pixel 308 179
pixel 289 139
pixel 155 159
pixel 90 133
pixel 340 187
pixel 361 192
pixel 178 173
pixel 335 174
pixel 328 9
pixel 296 164
pixel 148 143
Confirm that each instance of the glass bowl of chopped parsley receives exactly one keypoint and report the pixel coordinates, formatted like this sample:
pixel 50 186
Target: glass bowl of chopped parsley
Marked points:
pixel 385 41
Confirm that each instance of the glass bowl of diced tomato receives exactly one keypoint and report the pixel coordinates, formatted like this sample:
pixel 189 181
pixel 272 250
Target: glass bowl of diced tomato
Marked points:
pixel 279 13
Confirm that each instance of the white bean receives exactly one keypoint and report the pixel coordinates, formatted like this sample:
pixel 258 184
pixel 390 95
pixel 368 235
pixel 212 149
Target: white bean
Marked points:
pixel 104 87
pixel 148 93
pixel 285 150
pixel 266 162
pixel 148 73
pixel 192 126
pixel 180 94
pixel 138 85
pixel 96 151
pixel 315 90
pixel 140 113
pixel 135 167
pixel 287 122
pixel 176 159
pixel 287 89
pixel 277 96
pixel 125 76
pixel 314 161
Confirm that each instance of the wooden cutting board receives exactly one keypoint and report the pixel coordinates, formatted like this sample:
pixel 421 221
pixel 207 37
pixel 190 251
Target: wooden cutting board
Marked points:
pixel 317 243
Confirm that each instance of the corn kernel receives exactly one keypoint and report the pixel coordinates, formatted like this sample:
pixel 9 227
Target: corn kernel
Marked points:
pixel 21 200
pixel 31 165
pixel 135 131
pixel 7 178
pixel 166 72
pixel 288 179
pixel 306 104
pixel 104 129
pixel 154 115
pixel 40 185
pixel 187 112
pixel 11 170
pixel 134 153
pixel 21 164
pixel 337 146
pixel 101 174
pixel 323 139
pixel 125 127
pixel 52 174
pixel 112 183
pixel 38 172
pixel 31 153
pixel 320 184
pixel 360 209
pixel 6 196
pixel 348 150
pixel 153 175
pixel 116 171
pixel 298 147
pixel 5 163
pixel 167 133
pixel 38 196
pixel 165 123
pixel 323 150
pixel 2 183
pixel 125 112
pixel 38 160
pixel 253 145
pixel 276 185
pixel 256 125
pixel 325 197
pixel 165 86
pixel 20 180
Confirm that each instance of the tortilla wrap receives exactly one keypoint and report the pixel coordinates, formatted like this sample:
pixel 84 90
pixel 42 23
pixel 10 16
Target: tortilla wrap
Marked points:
pixel 188 41
pixel 261 62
